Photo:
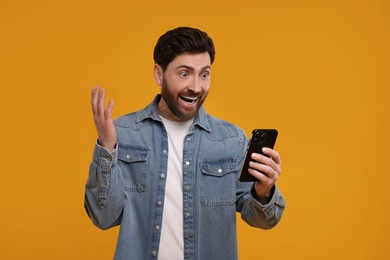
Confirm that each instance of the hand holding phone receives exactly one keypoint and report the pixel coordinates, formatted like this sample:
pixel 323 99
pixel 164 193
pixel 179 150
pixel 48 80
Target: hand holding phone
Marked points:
pixel 260 138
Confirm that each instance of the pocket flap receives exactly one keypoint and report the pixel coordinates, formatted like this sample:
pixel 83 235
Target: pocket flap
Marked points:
pixel 219 167
pixel 133 153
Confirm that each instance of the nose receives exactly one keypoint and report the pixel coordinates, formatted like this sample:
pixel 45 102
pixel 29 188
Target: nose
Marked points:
pixel 195 85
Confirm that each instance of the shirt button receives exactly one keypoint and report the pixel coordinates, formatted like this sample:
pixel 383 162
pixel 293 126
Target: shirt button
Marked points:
pixel 162 175
pixel 154 253
pixel 128 156
pixel 187 163
pixel 164 151
pixel 219 170
pixel 157 227
pixel 188 139
pixel 159 202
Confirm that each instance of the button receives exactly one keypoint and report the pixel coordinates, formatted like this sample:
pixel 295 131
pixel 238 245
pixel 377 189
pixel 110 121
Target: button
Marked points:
pixel 219 170
pixel 159 202
pixel 187 163
pixel 128 156
pixel 157 227
pixel 165 151
pixel 188 139
pixel 188 214
pixel 154 253
pixel 162 175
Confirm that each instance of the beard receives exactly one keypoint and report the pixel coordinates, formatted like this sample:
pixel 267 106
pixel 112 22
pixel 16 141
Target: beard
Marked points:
pixel 175 101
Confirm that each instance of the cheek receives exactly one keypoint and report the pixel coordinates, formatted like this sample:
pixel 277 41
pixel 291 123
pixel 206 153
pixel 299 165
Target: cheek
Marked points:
pixel 206 86
pixel 168 86
pixel 176 85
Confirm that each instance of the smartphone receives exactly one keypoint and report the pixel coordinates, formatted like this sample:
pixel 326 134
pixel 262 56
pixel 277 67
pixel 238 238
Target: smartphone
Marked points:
pixel 260 138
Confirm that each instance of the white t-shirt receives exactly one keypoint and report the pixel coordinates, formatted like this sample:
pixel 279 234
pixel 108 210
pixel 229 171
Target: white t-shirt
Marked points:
pixel 172 239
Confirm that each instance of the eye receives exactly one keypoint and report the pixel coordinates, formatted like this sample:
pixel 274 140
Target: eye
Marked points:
pixel 183 74
pixel 205 74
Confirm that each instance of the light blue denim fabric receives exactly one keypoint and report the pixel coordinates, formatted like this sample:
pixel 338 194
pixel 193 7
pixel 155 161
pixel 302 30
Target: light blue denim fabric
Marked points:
pixel 126 187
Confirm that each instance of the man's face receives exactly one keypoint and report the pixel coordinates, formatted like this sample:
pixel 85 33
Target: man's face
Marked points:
pixel 184 86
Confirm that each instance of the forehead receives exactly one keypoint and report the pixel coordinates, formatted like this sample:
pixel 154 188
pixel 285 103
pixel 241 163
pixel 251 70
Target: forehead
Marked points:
pixel 193 60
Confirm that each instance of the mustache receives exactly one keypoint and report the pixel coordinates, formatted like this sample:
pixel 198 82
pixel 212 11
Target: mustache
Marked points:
pixel 191 93
pixel 186 92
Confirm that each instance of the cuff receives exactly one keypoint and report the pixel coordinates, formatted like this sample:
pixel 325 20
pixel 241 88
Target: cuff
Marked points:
pixel 267 208
pixel 103 156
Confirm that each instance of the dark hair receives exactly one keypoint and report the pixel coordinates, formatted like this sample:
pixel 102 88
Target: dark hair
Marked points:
pixel 181 40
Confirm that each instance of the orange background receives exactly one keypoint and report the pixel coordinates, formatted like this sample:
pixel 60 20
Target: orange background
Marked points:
pixel 318 71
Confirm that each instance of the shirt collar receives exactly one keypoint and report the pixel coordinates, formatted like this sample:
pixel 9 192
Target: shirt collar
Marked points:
pixel 151 111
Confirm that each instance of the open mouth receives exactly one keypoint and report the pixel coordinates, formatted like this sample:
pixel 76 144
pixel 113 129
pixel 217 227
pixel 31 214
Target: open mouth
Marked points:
pixel 189 99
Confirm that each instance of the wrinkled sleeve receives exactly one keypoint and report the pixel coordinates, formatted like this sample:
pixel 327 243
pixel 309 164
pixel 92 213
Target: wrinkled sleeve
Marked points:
pixel 263 216
pixel 104 190
pixel 252 211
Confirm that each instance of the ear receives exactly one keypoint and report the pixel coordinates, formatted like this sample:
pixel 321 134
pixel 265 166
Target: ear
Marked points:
pixel 158 74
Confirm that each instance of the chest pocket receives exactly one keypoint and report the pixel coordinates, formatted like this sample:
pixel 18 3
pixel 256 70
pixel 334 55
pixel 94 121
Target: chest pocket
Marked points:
pixel 133 162
pixel 219 182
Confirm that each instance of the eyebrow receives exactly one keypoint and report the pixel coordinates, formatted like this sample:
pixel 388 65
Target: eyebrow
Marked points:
pixel 192 68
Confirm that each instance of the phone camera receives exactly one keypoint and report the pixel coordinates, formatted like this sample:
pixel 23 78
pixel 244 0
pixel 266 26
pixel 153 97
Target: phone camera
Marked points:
pixel 259 137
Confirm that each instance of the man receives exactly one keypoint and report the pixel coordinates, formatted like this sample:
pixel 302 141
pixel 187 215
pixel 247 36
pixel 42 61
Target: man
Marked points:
pixel 167 174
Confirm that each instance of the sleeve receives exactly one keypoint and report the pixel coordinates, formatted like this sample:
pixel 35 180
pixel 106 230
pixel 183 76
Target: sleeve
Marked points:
pixel 104 190
pixel 252 211
pixel 263 216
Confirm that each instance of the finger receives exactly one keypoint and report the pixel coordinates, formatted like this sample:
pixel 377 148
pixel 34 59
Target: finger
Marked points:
pixel 263 160
pixel 262 178
pixel 108 111
pixel 94 98
pixel 266 170
pixel 273 154
pixel 258 175
pixel 101 100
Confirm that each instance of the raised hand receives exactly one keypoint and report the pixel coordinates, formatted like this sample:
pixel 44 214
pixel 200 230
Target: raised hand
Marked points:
pixel 102 117
pixel 266 170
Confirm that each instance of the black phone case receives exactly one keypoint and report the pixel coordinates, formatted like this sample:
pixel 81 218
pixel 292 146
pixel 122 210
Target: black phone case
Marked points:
pixel 260 138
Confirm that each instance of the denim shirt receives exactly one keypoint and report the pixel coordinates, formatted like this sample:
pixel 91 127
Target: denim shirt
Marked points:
pixel 126 187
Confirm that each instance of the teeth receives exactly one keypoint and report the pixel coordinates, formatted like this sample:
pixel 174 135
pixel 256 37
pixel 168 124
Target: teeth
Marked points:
pixel 192 99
